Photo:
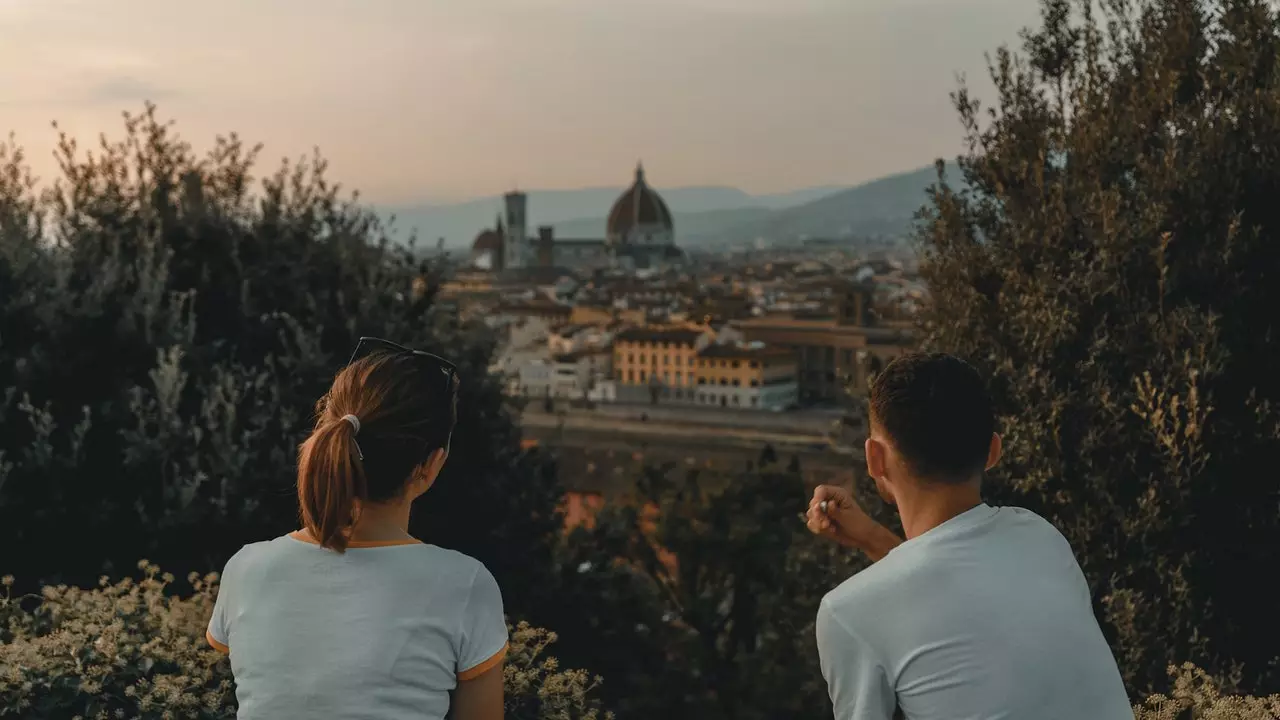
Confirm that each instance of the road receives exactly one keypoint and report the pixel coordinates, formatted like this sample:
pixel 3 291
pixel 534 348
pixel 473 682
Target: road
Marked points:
pixel 713 447
pixel 653 431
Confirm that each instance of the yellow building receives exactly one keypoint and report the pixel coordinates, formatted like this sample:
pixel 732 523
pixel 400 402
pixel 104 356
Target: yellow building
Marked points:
pixel 748 376
pixel 649 363
pixel 836 354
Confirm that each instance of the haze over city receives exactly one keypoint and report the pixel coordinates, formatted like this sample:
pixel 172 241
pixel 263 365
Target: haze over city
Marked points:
pixel 443 100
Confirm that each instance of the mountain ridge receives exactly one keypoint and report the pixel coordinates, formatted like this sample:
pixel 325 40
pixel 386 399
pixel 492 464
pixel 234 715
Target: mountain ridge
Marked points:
pixel 704 215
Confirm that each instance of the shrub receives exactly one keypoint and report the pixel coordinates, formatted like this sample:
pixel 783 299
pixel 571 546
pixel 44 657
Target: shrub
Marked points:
pixel 1107 261
pixel 1196 696
pixel 134 649
pixel 703 590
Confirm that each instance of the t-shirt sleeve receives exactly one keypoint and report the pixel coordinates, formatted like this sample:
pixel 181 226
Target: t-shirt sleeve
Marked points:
pixel 483 641
pixel 856 680
pixel 218 633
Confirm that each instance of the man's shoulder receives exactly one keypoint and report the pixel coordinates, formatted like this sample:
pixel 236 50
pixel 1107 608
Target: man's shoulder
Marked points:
pixel 879 584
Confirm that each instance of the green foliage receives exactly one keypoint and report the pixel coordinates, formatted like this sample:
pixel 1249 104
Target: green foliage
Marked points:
pixel 701 593
pixel 132 649
pixel 167 323
pixel 1108 265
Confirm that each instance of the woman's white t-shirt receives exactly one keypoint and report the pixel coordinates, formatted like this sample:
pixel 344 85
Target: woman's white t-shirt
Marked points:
pixel 384 630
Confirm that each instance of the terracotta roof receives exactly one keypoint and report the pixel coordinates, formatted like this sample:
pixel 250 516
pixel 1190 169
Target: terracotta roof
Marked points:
pixel 684 336
pixel 744 351
pixel 639 205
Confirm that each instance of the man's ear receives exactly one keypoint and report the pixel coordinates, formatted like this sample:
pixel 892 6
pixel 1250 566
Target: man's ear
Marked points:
pixel 995 452
pixel 876 457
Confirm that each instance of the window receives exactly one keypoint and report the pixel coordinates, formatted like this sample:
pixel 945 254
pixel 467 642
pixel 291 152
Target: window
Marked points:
pixel 631 357
pixel 666 377
pixel 666 359
pixel 755 382
pixel 737 382
pixel 702 381
pixel 631 376
pixel 736 364
pixel 722 381
pixel 753 365
pixel 677 361
pixel 619 376
pixel 642 376
pixel 654 358
pixel 735 400
pixel 754 402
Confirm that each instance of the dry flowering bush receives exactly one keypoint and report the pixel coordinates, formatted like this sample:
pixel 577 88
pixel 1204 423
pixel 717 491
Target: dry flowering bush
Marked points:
pixel 124 649
pixel 538 688
pixel 132 650
pixel 1196 696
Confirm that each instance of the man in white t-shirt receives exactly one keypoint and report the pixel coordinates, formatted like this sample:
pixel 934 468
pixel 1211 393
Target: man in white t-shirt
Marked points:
pixel 982 612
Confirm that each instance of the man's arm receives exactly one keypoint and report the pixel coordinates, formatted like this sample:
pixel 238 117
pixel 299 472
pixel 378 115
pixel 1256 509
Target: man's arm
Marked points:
pixel 857 681
pixel 835 514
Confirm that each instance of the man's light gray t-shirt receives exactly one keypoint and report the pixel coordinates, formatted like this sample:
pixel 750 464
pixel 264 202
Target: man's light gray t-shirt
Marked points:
pixel 986 616
pixel 384 630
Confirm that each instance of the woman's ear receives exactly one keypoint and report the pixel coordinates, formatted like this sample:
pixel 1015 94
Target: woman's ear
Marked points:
pixel 428 471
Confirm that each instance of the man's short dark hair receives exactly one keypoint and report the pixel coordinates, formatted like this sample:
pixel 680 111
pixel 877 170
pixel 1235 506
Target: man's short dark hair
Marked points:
pixel 937 413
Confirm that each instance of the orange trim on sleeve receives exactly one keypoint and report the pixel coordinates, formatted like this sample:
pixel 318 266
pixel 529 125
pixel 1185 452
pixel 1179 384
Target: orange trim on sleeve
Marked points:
pixel 485 666
pixel 216 645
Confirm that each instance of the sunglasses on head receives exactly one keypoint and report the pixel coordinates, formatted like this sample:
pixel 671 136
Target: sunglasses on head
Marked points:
pixel 368 346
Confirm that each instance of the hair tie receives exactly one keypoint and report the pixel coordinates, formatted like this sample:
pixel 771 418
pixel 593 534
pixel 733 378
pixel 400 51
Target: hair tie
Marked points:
pixel 355 422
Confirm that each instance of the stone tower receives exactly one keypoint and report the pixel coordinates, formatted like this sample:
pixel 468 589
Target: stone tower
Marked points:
pixel 515 243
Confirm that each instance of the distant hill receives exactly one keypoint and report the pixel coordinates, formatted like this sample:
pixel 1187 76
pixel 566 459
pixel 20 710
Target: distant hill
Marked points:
pixel 883 207
pixel 581 213
pixel 703 215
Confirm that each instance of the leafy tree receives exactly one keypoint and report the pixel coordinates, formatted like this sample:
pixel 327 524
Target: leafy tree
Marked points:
pixel 1107 260
pixel 705 589
pixel 166 325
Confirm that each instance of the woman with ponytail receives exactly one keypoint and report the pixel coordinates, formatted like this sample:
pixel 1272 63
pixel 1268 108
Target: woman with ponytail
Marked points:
pixel 350 616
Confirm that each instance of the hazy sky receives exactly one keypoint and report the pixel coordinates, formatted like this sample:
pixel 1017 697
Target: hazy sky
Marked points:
pixel 420 99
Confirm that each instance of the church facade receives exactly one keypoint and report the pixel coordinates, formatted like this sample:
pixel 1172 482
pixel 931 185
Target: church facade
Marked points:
pixel 640 233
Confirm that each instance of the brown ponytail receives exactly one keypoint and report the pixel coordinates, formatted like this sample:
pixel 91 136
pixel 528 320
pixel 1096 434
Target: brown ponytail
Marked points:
pixel 401 414
pixel 330 482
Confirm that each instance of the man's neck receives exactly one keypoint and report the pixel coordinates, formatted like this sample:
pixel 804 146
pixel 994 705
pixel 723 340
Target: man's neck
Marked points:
pixel 927 505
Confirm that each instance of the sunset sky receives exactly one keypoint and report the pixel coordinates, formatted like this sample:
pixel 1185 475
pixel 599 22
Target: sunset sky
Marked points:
pixel 419 100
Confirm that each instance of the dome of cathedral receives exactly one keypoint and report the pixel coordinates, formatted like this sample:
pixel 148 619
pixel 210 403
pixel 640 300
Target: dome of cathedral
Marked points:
pixel 640 206
pixel 487 241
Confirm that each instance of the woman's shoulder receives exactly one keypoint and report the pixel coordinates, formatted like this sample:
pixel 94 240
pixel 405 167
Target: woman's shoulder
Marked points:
pixel 458 563
pixel 250 554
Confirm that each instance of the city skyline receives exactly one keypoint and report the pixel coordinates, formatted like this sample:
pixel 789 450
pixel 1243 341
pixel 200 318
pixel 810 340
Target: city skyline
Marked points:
pixel 440 101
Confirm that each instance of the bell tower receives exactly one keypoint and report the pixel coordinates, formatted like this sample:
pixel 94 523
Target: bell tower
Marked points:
pixel 516 239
